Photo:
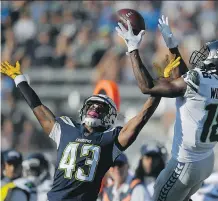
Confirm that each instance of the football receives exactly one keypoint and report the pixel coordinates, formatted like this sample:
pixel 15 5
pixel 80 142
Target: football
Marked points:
pixel 134 17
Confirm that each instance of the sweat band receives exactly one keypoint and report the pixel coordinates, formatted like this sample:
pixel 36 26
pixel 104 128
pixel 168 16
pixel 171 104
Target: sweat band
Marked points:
pixel 20 78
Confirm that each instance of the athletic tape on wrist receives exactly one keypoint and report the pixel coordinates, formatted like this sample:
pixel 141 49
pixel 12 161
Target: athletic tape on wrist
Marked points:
pixel 20 78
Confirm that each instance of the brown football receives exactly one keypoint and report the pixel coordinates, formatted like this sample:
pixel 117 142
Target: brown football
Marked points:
pixel 134 17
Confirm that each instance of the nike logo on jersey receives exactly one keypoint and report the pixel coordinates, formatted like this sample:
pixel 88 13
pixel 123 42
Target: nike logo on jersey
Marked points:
pixel 214 93
pixel 83 140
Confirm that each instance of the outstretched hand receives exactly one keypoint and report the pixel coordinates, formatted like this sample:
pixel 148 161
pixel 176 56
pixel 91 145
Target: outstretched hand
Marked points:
pixel 9 70
pixel 166 32
pixel 132 41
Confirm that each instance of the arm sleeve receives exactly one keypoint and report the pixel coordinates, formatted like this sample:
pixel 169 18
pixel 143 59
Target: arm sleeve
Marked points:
pixel 18 195
pixel 138 194
pixel 55 134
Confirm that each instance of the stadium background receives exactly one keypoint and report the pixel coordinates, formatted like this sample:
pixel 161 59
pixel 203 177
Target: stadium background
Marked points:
pixel 66 47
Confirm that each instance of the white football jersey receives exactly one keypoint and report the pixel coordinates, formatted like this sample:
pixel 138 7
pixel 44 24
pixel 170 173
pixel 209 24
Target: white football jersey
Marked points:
pixel 196 126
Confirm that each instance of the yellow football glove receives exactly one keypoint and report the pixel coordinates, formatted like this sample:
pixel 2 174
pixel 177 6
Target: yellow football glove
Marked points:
pixel 10 70
pixel 170 65
pixel 173 64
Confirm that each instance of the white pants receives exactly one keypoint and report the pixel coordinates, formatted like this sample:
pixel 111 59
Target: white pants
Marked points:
pixel 178 181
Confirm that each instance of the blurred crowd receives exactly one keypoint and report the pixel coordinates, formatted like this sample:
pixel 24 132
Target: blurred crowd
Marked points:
pixel 81 34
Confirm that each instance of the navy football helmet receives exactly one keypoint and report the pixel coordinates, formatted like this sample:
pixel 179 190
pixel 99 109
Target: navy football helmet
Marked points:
pixel 36 165
pixel 110 116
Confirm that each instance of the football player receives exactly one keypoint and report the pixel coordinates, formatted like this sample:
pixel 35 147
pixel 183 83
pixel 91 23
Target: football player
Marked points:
pixel 14 187
pixel 196 126
pixel 86 150
pixel 151 163
pixel 36 166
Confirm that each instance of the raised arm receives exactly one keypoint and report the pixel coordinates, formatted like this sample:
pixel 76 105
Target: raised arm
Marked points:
pixel 143 77
pixel 132 128
pixel 172 44
pixel 45 117
pixel 165 88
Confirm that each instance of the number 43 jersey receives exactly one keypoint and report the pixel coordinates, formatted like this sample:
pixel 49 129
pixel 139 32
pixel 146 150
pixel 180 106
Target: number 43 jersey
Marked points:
pixel 82 160
pixel 196 126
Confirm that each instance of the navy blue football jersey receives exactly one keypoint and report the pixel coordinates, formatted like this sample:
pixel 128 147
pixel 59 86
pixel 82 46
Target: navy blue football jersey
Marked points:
pixel 82 160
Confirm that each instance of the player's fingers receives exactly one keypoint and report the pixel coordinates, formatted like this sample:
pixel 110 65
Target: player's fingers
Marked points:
pixel 141 33
pixel 7 63
pixel 4 65
pixel 118 30
pixel 2 70
pixel 123 29
pixel 17 64
pixel 163 19
pixel 160 21
pixel 129 26
pixel 176 64
pixel 167 21
pixel 177 59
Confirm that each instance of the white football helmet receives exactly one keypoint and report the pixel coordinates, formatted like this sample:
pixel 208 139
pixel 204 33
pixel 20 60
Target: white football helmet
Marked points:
pixel 108 120
pixel 206 58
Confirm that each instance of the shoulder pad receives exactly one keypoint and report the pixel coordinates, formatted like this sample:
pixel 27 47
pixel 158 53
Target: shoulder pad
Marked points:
pixel 66 120
pixel 192 78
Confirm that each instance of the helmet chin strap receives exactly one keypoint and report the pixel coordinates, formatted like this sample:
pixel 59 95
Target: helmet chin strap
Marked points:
pixel 92 122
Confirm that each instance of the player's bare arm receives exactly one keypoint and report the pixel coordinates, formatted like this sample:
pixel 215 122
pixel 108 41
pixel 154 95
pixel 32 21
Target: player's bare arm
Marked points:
pixel 166 88
pixel 131 130
pixel 142 75
pixel 172 44
pixel 45 117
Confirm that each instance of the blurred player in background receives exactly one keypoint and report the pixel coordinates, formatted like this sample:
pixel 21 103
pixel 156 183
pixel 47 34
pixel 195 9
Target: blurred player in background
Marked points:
pixel 12 166
pixel 151 163
pixel 36 166
pixel 14 187
pixel 196 123
pixel 123 187
pixel 87 150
